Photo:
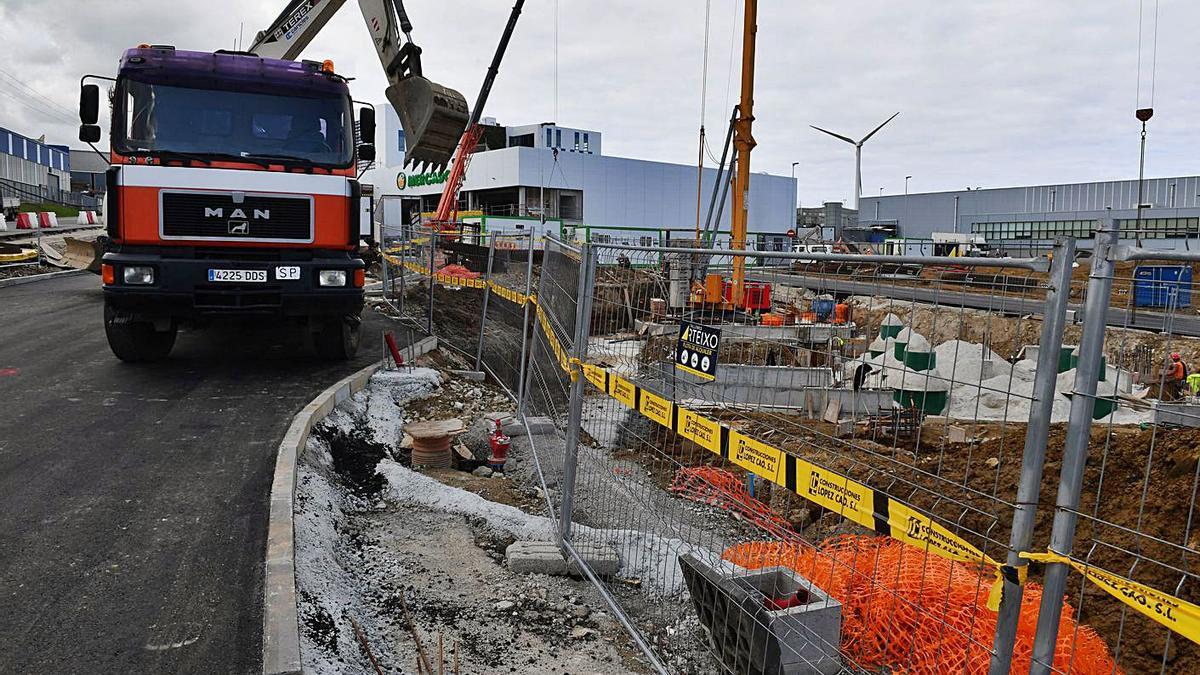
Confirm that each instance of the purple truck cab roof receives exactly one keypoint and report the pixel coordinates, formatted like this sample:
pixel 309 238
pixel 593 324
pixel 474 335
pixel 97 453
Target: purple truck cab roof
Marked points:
pixel 210 70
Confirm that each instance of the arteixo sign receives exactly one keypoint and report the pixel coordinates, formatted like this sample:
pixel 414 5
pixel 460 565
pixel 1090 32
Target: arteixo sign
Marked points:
pixel 404 180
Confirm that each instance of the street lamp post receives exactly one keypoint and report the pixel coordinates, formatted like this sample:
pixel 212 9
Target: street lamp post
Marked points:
pixel 877 201
pixel 906 199
pixel 794 165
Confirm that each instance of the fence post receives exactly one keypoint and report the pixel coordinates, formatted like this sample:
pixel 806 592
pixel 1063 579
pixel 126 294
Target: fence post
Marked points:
pixel 583 316
pixel 432 262
pixel 487 294
pixel 1083 401
pixel 405 246
pixel 1058 293
pixel 384 277
pixel 525 329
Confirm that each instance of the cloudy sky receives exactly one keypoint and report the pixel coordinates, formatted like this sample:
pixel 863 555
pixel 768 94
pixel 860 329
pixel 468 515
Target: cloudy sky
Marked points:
pixel 990 93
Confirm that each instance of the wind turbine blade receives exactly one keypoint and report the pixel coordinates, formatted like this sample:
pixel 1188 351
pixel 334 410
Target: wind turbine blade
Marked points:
pixel 838 136
pixel 864 140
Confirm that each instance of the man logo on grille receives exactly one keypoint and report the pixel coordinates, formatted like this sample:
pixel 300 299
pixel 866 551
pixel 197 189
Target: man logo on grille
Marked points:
pixel 238 213
pixel 239 227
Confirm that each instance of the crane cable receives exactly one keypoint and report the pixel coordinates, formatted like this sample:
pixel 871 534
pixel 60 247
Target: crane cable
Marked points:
pixel 1153 54
pixel 556 61
pixel 1148 110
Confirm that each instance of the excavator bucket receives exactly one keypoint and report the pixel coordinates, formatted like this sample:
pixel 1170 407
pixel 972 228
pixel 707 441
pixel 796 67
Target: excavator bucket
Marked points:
pixel 83 255
pixel 433 117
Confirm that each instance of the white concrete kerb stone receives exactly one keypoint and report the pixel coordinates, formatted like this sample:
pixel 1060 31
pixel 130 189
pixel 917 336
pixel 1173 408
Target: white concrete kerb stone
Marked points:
pixel 281 626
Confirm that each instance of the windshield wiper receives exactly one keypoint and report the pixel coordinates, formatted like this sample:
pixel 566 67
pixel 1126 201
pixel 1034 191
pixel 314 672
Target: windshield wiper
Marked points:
pixel 167 155
pixel 282 159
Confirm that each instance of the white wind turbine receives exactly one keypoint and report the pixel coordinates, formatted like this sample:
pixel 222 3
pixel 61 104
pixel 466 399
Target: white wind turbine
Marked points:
pixel 857 154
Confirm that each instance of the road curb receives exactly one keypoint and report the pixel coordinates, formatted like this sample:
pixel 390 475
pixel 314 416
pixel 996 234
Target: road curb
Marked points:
pixel 281 625
pixel 17 281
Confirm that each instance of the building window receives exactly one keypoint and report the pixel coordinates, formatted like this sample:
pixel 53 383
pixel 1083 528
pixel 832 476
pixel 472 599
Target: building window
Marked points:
pixel 576 147
pixel 549 140
pixel 1159 228
pixel 1036 230
pixel 558 138
pixel 586 145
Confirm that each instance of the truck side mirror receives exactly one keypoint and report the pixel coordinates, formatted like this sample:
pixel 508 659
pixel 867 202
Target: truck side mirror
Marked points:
pixel 366 126
pixel 89 104
pixel 366 152
pixel 89 133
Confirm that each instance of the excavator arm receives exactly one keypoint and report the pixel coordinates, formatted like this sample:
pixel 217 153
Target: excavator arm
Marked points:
pixel 433 116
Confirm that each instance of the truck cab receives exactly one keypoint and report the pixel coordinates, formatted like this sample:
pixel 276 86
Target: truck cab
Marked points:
pixel 232 192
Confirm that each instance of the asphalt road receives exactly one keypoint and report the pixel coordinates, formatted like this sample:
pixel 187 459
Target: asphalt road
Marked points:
pixel 135 497
pixel 1184 322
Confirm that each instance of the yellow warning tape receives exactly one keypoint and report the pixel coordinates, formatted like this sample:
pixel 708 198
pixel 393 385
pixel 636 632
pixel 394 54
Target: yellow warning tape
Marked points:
pixel 849 498
pixel 832 491
pixel 1179 615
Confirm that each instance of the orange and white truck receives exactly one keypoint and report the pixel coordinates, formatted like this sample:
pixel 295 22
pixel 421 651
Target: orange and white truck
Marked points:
pixel 232 189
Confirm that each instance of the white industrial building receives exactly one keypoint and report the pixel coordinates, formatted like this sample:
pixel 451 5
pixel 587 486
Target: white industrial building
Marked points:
pixel 525 172
pixel 1014 216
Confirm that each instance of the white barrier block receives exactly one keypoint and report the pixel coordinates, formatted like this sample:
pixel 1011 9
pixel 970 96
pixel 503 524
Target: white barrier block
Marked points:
pixel 91 217
pixel 26 220
pixel 48 219
pixel 3 223
pixel 82 218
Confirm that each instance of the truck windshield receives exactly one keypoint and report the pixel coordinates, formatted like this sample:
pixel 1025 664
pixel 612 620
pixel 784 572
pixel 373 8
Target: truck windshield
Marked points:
pixel 221 124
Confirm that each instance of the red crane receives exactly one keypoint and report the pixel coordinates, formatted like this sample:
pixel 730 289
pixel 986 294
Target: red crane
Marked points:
pixel 446 217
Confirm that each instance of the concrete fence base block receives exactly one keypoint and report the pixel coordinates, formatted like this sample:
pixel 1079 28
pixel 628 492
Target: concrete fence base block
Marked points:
pixel 536 557
pixel 602 559
pixel 538 426
pixel 472 375
pixel 545 557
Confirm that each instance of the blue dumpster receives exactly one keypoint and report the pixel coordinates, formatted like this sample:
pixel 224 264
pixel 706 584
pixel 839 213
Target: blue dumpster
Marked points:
pixel 1162 286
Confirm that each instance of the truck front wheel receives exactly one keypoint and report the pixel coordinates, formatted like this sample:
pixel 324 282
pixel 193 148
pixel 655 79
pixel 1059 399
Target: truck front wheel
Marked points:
pixel 337 339
pixel 136 341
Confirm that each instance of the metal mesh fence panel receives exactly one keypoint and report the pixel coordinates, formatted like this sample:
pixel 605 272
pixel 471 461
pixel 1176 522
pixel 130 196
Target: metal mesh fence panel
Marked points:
pixel 850 463
pixel 508 314
pixel 1123 544
pixel 840 495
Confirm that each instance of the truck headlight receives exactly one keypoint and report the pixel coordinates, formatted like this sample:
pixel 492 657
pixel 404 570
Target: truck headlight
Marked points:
pixel 139 275
pixel 332 277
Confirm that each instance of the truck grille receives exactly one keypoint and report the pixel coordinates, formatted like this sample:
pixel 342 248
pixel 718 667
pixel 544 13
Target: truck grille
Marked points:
pixel 215 215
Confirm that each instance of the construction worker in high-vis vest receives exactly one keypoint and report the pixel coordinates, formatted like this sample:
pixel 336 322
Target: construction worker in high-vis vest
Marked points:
pixel 1177 373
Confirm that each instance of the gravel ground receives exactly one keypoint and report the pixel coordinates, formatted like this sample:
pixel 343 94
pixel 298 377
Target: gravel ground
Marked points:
pixel 362 545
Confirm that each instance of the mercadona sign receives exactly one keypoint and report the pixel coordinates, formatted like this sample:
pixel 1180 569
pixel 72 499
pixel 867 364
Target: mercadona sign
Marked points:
pixel 404 180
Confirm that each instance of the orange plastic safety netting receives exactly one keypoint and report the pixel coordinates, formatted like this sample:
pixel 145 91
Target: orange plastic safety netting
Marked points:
pixel 903 609
pixel 726 490
pixel 913 612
